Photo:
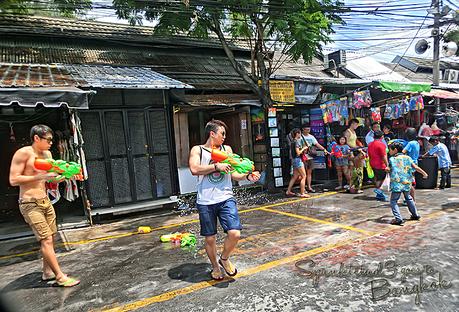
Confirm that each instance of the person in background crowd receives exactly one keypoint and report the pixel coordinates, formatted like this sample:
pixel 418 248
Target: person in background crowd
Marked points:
pixel 401 169
pixel 370 135
pixel 309 141
pixel 350 135
pixel 342 163
pixel 358 161
pixel 379 162
pixel 444 160
pixel 412 149
pixel 297 149
pixel 388 134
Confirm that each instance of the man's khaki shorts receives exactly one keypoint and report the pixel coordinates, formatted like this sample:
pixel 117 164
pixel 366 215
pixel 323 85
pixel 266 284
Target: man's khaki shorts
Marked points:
pixel 40 215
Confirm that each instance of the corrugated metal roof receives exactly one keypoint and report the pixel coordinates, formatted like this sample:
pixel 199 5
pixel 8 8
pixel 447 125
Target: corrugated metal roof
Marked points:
pixel 91 76
pixel 411 75
pixel 441 94
pixel 73 28
pixel 289 68
pixel 415 63
pixel 203 71
pixel 367 67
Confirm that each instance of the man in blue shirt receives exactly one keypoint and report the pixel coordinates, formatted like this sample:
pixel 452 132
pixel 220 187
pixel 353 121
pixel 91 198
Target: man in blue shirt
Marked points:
pixel 444 161
pixel 370 137
pixel 412 149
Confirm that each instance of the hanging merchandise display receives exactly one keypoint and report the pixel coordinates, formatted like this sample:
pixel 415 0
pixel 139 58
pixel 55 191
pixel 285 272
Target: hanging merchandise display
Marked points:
pixel 395 109
pixel 335 110
pixel 361 99
pixel 375 114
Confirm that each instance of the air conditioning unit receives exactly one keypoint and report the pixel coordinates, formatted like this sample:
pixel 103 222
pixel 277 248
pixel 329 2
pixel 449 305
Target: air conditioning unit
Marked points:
pixel 335 59
pixel 451 75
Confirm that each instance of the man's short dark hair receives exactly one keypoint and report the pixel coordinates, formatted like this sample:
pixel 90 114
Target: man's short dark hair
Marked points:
pixel 396 146
pixel 213 125
pixel 353 120
pixel 387 126
pixel 378 134
pixel 434 139
pixel 40 130
pixel 374 123
pixel 305 126
pixel 410 134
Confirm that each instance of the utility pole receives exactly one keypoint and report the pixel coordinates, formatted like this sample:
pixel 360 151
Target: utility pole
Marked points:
pixel 436 49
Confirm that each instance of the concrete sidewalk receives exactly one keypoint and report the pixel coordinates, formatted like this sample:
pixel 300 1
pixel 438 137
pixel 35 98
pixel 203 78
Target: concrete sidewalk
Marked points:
pixel 286 257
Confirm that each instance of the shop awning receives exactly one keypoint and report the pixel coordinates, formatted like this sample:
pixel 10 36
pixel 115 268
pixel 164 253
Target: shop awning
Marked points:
pixel 442 94
pixel 392 86
pixel 48 97
pixel 229 100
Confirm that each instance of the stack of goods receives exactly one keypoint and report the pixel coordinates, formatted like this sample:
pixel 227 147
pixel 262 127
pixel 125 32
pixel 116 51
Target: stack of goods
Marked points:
pixel 318 131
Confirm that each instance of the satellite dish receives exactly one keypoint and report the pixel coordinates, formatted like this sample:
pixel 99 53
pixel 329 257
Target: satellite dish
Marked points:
pixel 449 48
pixel 421 46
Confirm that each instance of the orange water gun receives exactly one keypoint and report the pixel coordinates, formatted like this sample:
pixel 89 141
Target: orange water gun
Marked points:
pixel 66 169
pixel 239 164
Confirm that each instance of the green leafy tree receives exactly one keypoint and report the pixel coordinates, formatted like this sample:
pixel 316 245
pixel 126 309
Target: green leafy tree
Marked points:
pixel 294 28
pixel 56 8
pixel 453 36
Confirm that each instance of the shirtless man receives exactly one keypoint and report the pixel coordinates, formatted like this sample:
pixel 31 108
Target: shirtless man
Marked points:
pixel 34 203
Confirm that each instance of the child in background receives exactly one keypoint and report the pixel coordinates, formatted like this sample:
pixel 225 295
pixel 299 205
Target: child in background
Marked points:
pixel 401 168
pixel 341 151
pixel 358 162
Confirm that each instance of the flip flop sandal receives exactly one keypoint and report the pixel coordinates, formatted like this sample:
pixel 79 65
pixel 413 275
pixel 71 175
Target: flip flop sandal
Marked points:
pixel 224 267
pixel 217 276
pixel 48 279
pixel 290 194
pixel 70 282
pixel 303 195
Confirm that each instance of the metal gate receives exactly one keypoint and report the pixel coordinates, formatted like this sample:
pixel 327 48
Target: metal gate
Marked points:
pixel 127 154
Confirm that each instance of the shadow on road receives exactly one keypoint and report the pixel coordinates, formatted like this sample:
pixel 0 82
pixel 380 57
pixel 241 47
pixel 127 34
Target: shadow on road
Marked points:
pixel 196 273
pixel 28 281
pixel 451 207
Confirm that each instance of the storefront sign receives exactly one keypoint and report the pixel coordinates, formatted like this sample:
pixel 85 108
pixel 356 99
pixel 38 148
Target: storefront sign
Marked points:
pixel 282 91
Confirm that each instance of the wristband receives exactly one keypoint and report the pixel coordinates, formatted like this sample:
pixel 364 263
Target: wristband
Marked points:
pixel 247 177
pixel 215 167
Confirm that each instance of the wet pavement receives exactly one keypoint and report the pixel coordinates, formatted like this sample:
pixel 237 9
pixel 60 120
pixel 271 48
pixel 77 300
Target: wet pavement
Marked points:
pixel 333 252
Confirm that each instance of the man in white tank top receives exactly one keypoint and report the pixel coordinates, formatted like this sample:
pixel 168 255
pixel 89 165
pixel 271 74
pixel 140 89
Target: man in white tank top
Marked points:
pixel 215 197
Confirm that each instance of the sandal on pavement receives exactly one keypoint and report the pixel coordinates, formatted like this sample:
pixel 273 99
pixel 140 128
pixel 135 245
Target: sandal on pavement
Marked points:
pixel 69 282
pixel 304 195
pixel 311 190
pixel 291 194
pixel 217 276
pixel 230 269
pixel 49 278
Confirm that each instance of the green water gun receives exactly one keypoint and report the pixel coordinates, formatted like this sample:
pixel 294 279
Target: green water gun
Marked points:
pixel 239 164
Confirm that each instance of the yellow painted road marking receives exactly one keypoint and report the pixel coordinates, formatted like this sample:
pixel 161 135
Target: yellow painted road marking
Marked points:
pixel 109 237
pixel 260 268
pixel 343 226
pixel 251 271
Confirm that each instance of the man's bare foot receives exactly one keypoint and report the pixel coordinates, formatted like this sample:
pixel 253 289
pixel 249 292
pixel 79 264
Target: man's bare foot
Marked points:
pixel 48 276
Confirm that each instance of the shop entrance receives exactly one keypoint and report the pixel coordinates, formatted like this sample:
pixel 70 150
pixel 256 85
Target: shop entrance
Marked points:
pixel 127 154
